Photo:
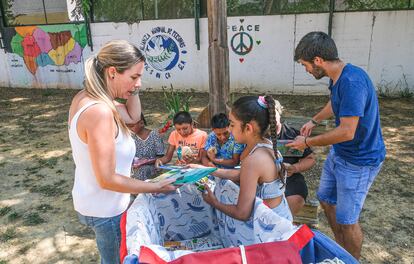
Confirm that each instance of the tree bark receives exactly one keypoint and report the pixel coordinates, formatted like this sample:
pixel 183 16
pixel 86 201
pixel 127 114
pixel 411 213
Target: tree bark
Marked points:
pixel 218 60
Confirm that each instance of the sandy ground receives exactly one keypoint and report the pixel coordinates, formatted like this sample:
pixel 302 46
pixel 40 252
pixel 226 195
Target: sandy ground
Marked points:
pixel 37 220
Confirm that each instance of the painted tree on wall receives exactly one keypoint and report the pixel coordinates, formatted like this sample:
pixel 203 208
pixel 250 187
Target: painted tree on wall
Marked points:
pixel 8 13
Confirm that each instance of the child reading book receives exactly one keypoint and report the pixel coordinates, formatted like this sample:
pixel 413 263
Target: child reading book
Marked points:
pixel 296 188
pixel 221 150
pixel 149 146
pixel 262 172
pixel 185 138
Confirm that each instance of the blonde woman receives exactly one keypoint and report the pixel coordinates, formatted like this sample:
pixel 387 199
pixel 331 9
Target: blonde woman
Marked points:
pixel 102 146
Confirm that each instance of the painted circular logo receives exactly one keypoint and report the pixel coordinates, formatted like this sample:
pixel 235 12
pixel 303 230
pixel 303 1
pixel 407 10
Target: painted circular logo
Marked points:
pixel 162 52
pixel 241 43
pixel 165 52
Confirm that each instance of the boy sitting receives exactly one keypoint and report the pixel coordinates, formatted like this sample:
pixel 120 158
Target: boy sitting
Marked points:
pixel 221 150
pixel 185 137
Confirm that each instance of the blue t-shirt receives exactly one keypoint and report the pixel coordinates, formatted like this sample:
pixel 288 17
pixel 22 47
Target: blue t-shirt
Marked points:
pixel 226 150
pixel 354 95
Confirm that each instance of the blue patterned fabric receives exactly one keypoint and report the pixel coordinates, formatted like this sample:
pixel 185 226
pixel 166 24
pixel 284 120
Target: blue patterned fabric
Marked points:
pixel 153 219
pixel 225 151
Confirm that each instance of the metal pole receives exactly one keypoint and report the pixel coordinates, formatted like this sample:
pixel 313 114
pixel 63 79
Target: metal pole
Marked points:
pixel 87 17
pixel 142 9
pixel 2 25
pixel 3 15
pixel 156 8
pixel 44 10
pixel 91 6
pixel 331 11
pixel 197 22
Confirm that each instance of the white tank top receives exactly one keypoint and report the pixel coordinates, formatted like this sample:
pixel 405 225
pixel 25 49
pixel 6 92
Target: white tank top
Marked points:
pixel 89 198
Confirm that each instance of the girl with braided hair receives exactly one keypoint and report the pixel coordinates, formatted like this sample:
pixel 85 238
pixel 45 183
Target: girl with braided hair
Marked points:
pixel 262 172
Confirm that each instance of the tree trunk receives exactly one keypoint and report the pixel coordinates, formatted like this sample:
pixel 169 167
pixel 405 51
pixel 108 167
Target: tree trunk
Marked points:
pixel 218 61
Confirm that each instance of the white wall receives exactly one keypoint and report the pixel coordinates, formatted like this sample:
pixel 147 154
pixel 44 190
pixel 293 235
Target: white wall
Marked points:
pixel 380 42
pixel 392 49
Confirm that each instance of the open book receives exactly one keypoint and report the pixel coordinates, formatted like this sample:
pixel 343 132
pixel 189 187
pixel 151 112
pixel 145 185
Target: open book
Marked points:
pixel 183 175
pixel 286 151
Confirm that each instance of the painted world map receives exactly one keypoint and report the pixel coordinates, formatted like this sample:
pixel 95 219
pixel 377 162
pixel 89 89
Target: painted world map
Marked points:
pixel 39 46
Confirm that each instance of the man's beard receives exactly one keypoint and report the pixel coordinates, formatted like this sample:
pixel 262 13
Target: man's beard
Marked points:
pixel 318 72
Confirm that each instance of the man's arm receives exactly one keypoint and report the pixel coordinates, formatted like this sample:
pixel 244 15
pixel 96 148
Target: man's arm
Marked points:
pixel 344 132
pixel 324 114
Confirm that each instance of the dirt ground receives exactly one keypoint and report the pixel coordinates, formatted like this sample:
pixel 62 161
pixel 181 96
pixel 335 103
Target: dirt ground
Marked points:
pixel 37 220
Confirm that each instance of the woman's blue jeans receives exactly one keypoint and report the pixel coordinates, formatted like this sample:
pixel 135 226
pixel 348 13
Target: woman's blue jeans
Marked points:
pixel 108 236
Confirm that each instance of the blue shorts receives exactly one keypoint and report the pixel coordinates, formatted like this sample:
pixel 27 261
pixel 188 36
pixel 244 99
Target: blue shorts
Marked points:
pixel 345 185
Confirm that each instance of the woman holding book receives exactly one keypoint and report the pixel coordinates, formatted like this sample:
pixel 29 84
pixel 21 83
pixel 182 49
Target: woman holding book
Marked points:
pixel 102 146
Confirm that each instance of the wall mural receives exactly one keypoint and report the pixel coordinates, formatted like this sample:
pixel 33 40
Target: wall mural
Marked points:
pixel 39 46
pixel 165 50
pixel 242 42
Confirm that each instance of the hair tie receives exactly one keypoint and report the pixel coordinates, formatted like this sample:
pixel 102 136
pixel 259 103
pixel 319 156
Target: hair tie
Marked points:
pixel 279 160
pixel 98 65
pixel 262 102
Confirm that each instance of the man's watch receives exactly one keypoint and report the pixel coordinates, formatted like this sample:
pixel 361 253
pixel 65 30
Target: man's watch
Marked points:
pixel 314 122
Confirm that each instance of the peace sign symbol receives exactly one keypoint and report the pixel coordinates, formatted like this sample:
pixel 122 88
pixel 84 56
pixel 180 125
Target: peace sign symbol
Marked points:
pixel 243 45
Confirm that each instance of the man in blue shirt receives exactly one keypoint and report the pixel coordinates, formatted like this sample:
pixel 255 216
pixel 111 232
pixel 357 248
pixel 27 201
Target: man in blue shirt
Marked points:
pixel 357 150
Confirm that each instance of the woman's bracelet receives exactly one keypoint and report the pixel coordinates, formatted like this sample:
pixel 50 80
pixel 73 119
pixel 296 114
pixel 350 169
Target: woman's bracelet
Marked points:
pixel 121 100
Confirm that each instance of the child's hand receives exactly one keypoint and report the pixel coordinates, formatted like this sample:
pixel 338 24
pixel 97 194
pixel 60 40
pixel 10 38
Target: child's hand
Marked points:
pixel 211 164
pixel 290 169
pixel 189 159
pixel 211 154
pixel 209 196
pixel 158 163
pixel 180 162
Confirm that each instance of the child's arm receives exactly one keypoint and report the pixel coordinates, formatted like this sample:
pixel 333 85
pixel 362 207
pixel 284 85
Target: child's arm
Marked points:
pixel 167 157
pixel 205 160
pixel 234 161
pixel 230 174
pixel 302 165
pixel 249 176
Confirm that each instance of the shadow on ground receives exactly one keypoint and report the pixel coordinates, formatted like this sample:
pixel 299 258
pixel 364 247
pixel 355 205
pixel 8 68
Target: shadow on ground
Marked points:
pixel 37 221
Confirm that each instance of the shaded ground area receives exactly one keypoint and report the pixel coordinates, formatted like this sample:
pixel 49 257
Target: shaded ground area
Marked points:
pixel 37 221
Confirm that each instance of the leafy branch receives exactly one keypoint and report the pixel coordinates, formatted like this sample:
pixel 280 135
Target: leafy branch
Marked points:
pixel 82 8
pixel 175 101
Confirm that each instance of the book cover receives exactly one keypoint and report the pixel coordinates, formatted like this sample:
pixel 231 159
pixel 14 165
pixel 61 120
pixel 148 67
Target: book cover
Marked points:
pixel 183 175
pixel 286 151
